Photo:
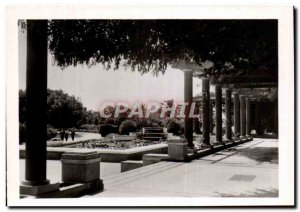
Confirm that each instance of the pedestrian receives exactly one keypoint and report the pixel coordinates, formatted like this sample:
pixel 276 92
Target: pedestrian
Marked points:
pixel 66 135
pixel 72 134
pixel 62 134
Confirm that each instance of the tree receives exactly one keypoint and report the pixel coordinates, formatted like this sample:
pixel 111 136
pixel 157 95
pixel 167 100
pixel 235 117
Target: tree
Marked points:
pixel 63 111
pixel 233 46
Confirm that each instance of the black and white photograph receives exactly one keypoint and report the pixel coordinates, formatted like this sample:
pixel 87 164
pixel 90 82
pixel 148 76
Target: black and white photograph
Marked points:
pixel 150 106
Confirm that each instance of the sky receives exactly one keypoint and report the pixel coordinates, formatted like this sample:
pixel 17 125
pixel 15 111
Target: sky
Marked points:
pixel 95 86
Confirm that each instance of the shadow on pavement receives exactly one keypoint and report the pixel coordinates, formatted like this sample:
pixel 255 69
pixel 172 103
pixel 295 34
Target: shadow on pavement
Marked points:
pixel 272 136
pixel 262 154
pixel 256 193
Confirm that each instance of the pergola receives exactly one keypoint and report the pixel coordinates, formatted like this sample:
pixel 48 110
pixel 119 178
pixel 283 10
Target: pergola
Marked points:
pixel 246 89
pixel 36 93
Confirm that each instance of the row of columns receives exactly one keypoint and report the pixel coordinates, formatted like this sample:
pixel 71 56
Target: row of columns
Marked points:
pixel 242 122
pixel 241 112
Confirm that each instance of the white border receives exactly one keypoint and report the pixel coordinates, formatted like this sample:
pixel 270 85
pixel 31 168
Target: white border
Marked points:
pixel 286 94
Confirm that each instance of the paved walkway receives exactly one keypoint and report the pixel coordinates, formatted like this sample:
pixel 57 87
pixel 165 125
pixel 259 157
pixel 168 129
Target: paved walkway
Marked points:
pixel 247 170
pixel 81 136
pixel 54 170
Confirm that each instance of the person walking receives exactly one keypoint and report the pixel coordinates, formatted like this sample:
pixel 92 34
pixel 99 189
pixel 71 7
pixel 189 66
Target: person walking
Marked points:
pixel 73 134
pixel 66 135
pixel 62 134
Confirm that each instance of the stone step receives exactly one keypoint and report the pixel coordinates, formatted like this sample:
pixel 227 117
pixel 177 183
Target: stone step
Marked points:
pixel 121 180
pixel 128 165
pixel 152 130
pixel 155 133
pixel 135 174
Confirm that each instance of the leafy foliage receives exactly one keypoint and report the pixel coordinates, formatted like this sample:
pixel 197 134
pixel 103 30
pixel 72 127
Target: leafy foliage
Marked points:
pixel 63 111
pixel 106 129
pixel 234 46
pixel 51 133
pixel 89 127
pixel 126 127
pixel 174 126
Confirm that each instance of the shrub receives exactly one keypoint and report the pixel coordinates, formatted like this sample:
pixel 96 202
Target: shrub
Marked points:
pixel 51 133
pixel 106 129
pixel 174 127
pixel 126 127
pixel 96 122
pixel 140 123
pixel 89 127
pixel 119 120
pixel 109 121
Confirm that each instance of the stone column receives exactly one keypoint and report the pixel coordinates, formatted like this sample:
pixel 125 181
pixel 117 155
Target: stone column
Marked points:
pixel 243 116
pixel 248 115
pixel 196 123
pixel 35 182
pixel 228 114
pixel 258 127
pixel 218 95
pixel 188 98
pixel 36 99
pixel 205 110
pixel 236 114
pixel 211 117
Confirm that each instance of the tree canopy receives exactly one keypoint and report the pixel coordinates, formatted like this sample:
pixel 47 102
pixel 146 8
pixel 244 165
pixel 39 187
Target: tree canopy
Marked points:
pixel 233 46
pixel 63 110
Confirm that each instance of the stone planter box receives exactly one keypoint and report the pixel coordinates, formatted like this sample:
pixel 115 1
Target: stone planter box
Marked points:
pixel 107 155
pixel 177 149
pixel 80 167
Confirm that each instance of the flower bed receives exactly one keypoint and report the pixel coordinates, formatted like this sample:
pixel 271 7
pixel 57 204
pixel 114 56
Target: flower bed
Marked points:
pixel 109 143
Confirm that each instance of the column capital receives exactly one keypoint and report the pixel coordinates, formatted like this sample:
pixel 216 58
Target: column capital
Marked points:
pixel 188 70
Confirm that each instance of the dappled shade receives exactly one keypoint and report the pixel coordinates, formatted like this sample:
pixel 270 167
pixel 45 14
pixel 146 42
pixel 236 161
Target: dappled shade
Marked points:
pixel 233 46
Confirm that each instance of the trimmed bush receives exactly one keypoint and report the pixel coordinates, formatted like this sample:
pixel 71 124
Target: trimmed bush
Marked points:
pixel 174 127
pixel 119 120
pixel 109 121
pixel 51 133
pixel 126 127
pixel 106 129
pixel 89 127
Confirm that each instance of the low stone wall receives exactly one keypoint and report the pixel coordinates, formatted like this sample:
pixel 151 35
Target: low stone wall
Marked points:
pixel 68 143
pixel 55 153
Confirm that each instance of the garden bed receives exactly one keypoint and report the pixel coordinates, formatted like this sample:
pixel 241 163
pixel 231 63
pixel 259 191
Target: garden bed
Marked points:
pixel 107 155
pixel 110 143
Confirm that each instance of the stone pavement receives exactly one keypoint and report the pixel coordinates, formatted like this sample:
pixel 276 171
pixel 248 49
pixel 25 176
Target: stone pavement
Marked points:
pixel 80 136
pixel 247 170
pixel 54 170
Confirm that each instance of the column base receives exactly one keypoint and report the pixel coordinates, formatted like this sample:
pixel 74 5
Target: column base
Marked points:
pixel 243 138
pixel 38 190
pixel 235 139
pixel 36 183
pixel 227 141
pixel 249 137
pixel 218 143
pixel 205 146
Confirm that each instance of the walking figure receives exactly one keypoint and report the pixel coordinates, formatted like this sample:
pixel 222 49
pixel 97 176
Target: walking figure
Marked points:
pixel 62 134
pixel 66 135
pixel 72 134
